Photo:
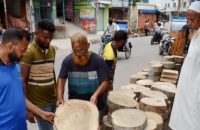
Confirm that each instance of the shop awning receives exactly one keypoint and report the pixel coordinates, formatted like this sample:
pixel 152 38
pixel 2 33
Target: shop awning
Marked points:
pixel 104 2
pixel 148 11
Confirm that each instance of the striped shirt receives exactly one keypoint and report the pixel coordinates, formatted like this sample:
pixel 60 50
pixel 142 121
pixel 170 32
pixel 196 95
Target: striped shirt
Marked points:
pixel 41 82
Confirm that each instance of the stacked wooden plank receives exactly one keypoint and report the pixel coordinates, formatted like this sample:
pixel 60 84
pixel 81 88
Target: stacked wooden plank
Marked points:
pixel 169 76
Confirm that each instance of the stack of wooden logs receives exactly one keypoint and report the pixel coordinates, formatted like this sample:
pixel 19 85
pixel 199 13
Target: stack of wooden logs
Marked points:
pixel 145 103
pixel 137 107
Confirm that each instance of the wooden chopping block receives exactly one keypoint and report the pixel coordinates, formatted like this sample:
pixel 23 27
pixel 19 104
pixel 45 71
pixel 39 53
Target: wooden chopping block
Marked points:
pixel 169 58
pixel 167 88
pixel 145 70
pixel 157 105
pixel 136 77
pixel 124 92
pixel 155 62
pixel 151 125
pixel 156 68
pixel 168 65
pixel 153 94
pixel 152 73
pixel 145 82
pixel 106 124
pixel 115 102
pixel 137 89
pixel 72 115
pixel 142 73
pixel 154 78
pixel 157 118
pixel 129 119
pixel 178 59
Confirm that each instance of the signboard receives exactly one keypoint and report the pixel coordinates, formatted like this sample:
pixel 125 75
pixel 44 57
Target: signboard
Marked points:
pixel 87 13
pixel 120 3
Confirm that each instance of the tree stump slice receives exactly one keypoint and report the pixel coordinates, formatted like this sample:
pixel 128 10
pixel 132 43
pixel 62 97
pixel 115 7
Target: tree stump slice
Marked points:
pixel 151 125
pixel 129 119
pixel 156 68
pixel 136 77
pixel 115 102
pixel 157 105
pixel 155 62
pixel 168 65
pixel 178 59
pixel 152 73
pixel 153 94
pixel 106 124
pixel 167 88
pixel 65 120
pixel 137 89
pixel 142 73
pixel 157 118
pixel 124 92
pixel 145 70
pixel 169 58
pixel 145 82
pixel 154 78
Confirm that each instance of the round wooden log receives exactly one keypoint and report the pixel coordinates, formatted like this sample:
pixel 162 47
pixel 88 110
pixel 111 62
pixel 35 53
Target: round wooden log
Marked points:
pixel 156 68
pixel 157 118
pixel 178 67
pixel 157 105
pixel 106 124
pixel 178 59
pixel 169 58
pixel 145 70
pixel 65 120
pixel 154 78
pixel 167 88
pixel 137 89
pixel 152 73
pixel 151 125
pixel 168 65
pixel 155 62
pixel 129 119
pixel 153 94
pixel 115 102
pixel 136 77
pixel 124 92
pixel 142 73
pixel 145 82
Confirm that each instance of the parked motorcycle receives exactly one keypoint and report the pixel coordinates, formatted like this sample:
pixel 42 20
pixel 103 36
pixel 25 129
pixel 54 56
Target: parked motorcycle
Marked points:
pixel 166 45
pixel 157 37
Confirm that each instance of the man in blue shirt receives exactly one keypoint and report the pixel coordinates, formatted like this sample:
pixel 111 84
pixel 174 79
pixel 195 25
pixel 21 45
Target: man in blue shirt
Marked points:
pixel 12 100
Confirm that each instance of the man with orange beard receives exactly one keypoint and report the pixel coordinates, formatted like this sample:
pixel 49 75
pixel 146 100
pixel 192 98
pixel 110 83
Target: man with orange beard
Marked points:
pixel 86 72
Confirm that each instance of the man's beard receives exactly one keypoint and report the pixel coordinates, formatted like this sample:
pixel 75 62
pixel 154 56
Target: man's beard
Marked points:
pixel 82 60
pixel 13 57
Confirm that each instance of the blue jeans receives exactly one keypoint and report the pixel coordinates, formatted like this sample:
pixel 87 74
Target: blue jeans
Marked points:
pixel 42 124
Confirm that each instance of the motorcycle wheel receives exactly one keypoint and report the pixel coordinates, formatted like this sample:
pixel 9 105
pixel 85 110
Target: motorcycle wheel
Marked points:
pixel 152 41
pixel 127 52
pixel 160 52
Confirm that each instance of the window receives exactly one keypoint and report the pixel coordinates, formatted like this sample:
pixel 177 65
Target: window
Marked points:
pixel 174 4
pixel 184 4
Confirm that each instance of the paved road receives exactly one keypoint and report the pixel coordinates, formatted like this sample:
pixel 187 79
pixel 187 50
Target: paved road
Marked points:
pixel 142 54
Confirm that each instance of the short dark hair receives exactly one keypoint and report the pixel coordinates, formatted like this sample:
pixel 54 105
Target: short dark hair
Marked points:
pixel 120 35
pixel 15 34
pixel 46 25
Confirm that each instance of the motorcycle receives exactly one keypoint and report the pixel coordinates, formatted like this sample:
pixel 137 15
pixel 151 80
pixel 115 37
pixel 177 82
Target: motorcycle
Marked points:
pixel 166 45
pixel 157 37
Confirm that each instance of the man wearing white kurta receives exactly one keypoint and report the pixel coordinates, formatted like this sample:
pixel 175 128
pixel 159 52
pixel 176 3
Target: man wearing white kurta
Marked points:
pixel 186 109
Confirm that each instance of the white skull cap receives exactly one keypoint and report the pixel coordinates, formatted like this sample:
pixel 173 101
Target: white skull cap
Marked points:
pixel 195 6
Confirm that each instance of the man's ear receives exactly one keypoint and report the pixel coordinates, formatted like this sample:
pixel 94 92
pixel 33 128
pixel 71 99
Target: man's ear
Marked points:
pixel 10 46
